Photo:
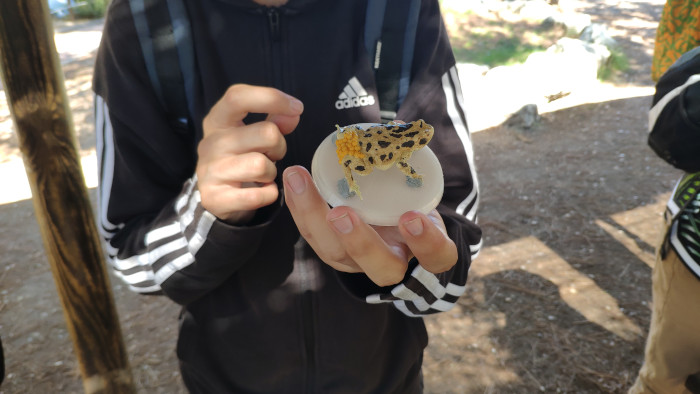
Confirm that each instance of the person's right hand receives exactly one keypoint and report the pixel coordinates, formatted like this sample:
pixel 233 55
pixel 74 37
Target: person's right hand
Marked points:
pixel 236 166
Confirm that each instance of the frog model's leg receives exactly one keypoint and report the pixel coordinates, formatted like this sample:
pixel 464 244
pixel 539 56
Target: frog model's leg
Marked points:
pixel 352 185
pixel 402 164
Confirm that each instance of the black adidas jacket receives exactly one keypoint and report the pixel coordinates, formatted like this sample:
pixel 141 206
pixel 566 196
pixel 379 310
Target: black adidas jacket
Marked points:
pixel 261 313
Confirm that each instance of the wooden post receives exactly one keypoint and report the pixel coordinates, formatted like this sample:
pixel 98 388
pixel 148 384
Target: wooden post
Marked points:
pixel 39 105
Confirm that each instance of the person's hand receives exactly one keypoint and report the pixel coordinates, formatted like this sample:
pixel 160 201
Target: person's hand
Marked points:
pixel 236 167
pixel 345 242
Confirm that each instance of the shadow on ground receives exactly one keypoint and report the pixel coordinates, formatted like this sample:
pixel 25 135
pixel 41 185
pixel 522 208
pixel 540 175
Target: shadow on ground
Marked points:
pixel 559 299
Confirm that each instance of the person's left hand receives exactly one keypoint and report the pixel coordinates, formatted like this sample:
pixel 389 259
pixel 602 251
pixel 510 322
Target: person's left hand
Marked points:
pixel 342 240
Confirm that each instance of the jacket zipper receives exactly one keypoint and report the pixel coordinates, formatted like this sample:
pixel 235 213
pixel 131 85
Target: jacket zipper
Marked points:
pixel 309 340
pixel 307 315
pixel 304 264
pixel 273 19
pixel 277 57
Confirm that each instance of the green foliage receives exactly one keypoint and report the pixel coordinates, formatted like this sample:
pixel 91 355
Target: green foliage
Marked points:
pixel 493 41
pixel 502 51
pixel 90 9
pixel 617 62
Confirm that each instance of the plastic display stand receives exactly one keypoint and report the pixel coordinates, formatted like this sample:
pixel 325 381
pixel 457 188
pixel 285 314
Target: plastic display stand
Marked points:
pixel 386 194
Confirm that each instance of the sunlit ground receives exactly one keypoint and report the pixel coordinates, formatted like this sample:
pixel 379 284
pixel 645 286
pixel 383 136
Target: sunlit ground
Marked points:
pixel 75 46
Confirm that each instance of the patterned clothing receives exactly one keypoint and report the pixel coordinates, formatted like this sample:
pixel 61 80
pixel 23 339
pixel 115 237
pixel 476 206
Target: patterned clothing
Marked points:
pixel 678 32
pixel 685 233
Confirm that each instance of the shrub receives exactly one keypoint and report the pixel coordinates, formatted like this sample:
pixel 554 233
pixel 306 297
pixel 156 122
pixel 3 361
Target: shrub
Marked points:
pixel 90 9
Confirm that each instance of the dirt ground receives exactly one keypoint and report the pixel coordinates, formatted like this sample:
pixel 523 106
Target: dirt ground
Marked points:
pixel 557 302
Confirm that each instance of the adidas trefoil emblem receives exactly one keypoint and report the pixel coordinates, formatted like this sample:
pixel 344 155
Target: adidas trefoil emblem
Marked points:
pixel 354 95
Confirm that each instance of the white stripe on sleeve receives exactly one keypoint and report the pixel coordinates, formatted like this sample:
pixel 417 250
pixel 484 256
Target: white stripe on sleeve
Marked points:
pixel 455 106
pixel 168 242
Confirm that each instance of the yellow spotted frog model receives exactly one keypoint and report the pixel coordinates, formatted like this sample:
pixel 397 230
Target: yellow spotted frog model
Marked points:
pixel 380 146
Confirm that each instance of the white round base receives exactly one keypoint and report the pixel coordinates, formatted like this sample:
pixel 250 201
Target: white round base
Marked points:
pixel 386 194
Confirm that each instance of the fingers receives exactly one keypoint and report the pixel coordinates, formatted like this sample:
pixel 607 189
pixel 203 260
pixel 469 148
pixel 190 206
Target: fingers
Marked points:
pixel 240 100
pixel 425 235
pixel 262 137
pixel 344 241
pixel 385 264
pixel 227 203
pixel 238 169
pixel 285 123
pixel 235 165
pixel 309 212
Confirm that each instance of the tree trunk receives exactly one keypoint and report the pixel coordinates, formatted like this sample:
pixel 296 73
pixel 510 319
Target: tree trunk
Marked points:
pixel 38 102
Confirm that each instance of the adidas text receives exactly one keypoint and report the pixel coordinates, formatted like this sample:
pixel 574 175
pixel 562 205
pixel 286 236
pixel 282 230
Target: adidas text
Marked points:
pixel 355 102
pixel 354 95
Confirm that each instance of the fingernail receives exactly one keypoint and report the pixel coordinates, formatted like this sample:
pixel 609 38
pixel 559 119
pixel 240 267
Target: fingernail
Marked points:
pixel 296 182
pixel 415 227
pixel 342 223
pixel 296 105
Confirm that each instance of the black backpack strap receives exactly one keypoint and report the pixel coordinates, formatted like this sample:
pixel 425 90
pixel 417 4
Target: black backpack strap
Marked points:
pixel 166 42
pixel 390 34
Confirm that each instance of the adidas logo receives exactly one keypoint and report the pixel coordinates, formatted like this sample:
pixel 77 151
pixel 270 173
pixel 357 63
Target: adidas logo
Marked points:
pixel 353 96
